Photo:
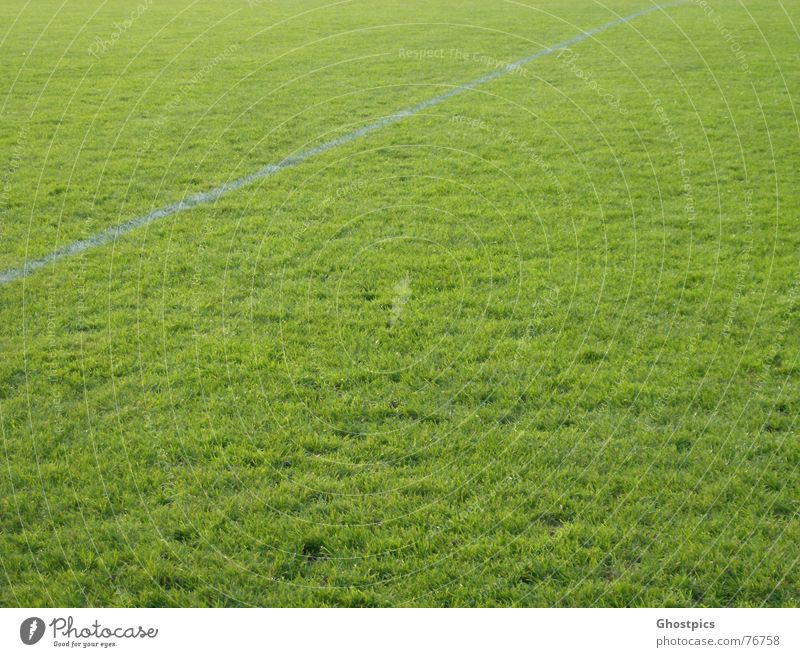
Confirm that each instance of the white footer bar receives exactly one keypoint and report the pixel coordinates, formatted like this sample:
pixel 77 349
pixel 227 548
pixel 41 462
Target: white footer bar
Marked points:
pixel 379 632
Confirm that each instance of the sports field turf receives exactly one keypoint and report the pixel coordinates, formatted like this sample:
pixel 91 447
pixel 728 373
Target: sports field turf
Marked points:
pixel 535 344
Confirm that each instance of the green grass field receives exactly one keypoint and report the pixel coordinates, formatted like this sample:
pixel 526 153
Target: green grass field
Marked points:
pixel 536 345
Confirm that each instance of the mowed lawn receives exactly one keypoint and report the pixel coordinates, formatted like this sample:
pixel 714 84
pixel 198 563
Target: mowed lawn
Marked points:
pixel 535 345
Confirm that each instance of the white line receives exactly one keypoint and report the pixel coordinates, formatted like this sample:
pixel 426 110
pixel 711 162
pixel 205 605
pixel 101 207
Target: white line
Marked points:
pixel 111 234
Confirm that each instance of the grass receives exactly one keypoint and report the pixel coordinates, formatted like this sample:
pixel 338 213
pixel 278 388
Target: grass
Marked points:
pixel 533 346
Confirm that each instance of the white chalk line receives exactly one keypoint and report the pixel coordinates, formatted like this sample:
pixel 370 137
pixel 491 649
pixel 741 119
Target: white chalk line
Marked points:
pixel 203 198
